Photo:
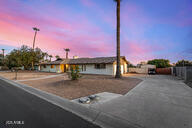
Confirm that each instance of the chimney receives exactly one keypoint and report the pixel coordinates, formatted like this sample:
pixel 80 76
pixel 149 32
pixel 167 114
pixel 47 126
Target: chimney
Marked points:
pixel 75 57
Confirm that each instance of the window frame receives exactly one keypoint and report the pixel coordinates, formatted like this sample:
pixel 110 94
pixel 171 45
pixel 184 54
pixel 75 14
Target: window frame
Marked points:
pixel 83 67
pixel 100 66
pixel 52 66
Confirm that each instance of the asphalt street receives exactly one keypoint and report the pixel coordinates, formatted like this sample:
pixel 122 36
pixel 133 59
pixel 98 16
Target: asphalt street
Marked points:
pixel 20 109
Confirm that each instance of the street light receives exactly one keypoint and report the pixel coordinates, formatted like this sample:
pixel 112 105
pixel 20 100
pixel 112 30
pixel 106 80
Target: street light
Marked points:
pixel 35 29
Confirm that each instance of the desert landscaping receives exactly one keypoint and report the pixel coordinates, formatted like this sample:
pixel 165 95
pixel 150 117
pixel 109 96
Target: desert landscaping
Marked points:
pixel 62 86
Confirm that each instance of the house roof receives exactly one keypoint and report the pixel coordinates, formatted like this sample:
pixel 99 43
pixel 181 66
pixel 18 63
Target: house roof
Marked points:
pixel 97 60
pixel 52 62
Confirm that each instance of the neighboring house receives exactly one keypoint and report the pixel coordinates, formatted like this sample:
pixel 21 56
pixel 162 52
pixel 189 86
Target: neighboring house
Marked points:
pixel 143 69
pixel 98 65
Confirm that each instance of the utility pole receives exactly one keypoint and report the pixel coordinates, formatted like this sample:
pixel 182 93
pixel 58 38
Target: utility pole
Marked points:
pixel 35 29
pixel 3 50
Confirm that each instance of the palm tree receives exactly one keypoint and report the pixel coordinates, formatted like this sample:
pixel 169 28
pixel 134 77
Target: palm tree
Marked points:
pixel 35 29
pixel 67 50
pixel 118 71
pixel 50 56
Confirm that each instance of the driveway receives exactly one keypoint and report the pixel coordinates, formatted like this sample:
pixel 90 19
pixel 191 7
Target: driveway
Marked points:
pixel 20 109
pixel 159 101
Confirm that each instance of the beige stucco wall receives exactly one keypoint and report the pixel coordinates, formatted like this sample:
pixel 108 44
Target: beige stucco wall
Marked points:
pixel 123 67
pixel 90 69
pixel 138 70
pixel 143 70
pixel 148 66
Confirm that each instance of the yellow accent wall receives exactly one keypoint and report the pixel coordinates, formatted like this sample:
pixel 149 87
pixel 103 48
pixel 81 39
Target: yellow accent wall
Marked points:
pixel 62 67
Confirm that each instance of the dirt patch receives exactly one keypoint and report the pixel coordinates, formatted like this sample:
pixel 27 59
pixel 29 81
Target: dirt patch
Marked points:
pixel 87 85
pixel 23 75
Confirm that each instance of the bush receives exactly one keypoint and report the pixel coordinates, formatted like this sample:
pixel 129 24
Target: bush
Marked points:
pixel 4 68
pixel 160 63
pixel 75 72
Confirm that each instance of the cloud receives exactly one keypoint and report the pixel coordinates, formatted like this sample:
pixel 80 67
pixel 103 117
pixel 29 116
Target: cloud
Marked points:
pixel 137 51
pixel 81 36
pixel 65 28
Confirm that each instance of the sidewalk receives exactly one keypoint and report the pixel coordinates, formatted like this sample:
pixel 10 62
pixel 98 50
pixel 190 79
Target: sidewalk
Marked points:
pixel 157 102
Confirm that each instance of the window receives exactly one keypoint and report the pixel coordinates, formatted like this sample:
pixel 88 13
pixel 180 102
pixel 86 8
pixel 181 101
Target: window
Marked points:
pixel 52 66
pixel 83 67
pixel 44 66
pixel 100 66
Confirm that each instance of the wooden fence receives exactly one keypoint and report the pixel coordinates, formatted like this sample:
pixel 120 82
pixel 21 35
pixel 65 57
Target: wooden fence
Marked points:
pixel 166 71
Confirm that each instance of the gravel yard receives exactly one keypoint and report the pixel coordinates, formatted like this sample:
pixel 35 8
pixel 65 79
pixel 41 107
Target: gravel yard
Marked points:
pixel 86 85
pixel 23 75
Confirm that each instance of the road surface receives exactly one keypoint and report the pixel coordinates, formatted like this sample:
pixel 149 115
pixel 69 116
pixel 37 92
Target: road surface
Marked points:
pixel 20 109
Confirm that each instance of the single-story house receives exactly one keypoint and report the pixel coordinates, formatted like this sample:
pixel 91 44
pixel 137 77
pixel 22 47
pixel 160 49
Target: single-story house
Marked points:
pixel 98 65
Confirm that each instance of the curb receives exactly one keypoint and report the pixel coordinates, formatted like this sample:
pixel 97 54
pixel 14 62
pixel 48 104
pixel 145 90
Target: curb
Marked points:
pixel 101 119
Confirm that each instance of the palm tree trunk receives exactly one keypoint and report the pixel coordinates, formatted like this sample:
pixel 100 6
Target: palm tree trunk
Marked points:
pixel 66 54
pixel 118 71
pixel 33 49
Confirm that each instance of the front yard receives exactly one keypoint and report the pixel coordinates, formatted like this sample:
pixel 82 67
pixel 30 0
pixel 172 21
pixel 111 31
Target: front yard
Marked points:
pixel 88 84
pixel 23 75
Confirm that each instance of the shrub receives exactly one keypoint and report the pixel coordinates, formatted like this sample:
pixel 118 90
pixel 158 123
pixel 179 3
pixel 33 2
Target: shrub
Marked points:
pixel 4 68
pixel 75 72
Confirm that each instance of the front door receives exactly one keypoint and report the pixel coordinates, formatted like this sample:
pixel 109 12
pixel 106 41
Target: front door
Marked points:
pixel 65 68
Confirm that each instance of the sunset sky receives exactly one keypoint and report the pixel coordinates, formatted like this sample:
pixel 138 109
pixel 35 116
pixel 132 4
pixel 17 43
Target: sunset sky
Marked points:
pixel 149 28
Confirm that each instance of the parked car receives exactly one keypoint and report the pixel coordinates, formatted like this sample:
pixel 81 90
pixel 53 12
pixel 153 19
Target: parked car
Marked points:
pixel 151 71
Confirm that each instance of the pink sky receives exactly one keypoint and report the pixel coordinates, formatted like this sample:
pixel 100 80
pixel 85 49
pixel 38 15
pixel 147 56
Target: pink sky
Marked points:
pixel 88 28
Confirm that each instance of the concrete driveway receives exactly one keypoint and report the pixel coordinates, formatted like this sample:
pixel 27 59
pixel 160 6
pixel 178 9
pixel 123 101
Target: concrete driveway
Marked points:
pixel 158 102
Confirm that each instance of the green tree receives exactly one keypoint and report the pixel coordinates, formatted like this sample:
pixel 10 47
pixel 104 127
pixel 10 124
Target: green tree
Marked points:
pixel 160 63
pixel 118 71
pixel 23 57
pixel 131 66
pixel 12 59
pixel 43 55
pixel 46 56
pixel 184 63
pixel 50 56
pixel 57 57
pixel 1 59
